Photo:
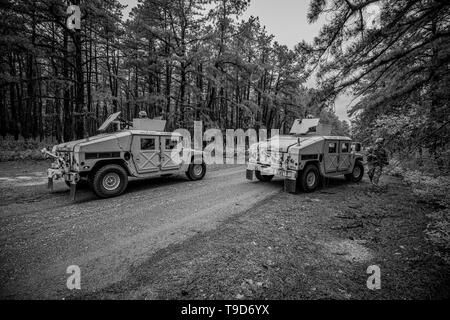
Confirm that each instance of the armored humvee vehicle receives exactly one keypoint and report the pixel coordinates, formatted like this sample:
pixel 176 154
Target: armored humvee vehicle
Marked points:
pixel 106 161
pixel 306 156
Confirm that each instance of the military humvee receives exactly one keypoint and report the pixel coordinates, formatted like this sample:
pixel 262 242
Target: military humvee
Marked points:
pixel 106 161
pixel 306 156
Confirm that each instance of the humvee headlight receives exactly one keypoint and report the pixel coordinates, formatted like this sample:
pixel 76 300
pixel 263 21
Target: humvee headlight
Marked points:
pixel 292 164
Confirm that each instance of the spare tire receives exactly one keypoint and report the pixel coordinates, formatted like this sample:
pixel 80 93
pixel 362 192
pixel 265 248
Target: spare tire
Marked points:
pixel 263 178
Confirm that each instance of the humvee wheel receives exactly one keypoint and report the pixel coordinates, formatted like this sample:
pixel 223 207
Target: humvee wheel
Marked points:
pixel 196 171
pixel 263 178
pixel 357 174
pixel 80 185
pixel 110 181
pixel 310 178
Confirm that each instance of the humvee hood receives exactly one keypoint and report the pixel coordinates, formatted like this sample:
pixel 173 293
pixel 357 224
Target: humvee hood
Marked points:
pixel 282 143
pixel 285 142
pixel 69 146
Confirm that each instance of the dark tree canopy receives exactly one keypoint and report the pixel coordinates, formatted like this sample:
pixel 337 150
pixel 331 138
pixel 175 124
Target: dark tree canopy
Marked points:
pixel 397 66
pixel 184 60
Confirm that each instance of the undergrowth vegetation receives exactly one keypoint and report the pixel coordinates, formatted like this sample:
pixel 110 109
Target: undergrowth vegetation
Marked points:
pixel 434 191
pixel 11 150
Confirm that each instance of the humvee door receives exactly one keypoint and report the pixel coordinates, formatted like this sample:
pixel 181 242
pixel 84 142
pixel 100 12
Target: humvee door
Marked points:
pixel 331 156
pixel 146 153
pixel 345 157
pixel 171 148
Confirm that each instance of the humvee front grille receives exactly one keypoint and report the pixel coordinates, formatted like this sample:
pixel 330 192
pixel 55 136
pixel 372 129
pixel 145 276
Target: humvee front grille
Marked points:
pixel 66 156
pixel 102 155
pixel 271 158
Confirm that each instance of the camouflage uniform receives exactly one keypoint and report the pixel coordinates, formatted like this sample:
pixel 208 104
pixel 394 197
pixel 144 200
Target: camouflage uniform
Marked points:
pixel 376 159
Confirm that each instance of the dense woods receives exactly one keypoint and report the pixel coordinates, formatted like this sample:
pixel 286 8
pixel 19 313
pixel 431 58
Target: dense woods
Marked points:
pixel 395 62
pixel 187 60
pixel 184 60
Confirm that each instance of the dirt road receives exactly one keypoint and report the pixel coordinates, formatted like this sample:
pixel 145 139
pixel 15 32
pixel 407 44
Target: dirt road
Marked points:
pixel 41 234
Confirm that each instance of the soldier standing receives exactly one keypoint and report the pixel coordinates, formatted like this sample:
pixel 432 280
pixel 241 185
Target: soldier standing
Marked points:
pixel 376 159
pixel 143 115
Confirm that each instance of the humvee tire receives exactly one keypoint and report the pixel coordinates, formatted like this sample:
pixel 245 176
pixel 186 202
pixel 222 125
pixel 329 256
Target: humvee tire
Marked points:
pixel 263 178
pixel 196 171
pixel 310 178
pixel 357 174
pixel 82 184
pixel 110 181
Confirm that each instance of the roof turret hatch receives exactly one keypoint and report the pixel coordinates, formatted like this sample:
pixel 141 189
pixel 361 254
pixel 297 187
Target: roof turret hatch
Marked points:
pixel 310 127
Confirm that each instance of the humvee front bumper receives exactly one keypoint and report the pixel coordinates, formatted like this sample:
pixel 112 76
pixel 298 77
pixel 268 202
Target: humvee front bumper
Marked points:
pixel 270 171
pixel 56 174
